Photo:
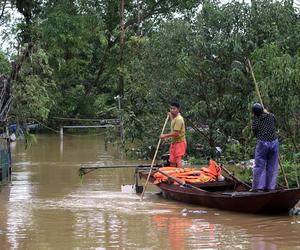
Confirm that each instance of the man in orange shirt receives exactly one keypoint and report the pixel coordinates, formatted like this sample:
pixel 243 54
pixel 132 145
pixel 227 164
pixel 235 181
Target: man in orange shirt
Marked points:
pixel 178 145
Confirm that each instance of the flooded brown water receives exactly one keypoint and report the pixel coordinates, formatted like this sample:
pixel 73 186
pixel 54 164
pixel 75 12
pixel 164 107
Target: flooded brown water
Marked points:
pixel 47 207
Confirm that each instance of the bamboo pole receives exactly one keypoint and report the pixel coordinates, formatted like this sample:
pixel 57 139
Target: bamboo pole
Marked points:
pixel 154 157
pixel 255 83
pixel 283 173
pixel 261 102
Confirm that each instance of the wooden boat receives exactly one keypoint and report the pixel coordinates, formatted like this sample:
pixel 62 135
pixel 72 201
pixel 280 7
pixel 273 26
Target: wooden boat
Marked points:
pixel 229 195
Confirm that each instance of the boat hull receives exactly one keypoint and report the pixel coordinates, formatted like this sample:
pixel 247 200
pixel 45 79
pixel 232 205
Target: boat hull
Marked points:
pixel 231 196
pixel 247 202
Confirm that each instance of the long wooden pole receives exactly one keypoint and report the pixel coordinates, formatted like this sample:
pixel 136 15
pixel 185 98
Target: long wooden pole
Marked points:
pixel 261 102
pixel 255 83
pixel 283 172
pixel 86 167
pixel 234 177
pixel 154 157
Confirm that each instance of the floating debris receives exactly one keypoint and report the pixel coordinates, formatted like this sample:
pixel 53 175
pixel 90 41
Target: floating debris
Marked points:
pixel 186 211
pixel 295 211
pixel 198 211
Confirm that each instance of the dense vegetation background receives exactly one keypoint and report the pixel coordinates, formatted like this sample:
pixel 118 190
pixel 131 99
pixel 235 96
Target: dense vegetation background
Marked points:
pixel 191 51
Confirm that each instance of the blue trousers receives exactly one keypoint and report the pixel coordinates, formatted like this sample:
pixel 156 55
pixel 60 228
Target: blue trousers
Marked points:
pixel 266 165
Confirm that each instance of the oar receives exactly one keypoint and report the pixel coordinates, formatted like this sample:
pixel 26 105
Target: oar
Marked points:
pixel 261 102
pixel 154 157
pixel 181 182
pixel 234 177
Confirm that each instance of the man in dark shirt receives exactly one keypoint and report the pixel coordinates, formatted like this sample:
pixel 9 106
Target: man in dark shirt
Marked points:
pixel 267 149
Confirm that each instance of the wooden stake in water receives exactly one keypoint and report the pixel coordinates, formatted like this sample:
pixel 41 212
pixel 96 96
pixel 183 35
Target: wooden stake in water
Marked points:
pixel 154 157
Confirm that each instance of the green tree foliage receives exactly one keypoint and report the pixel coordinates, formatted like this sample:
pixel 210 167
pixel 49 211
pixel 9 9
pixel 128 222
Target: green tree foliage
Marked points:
pixel 73 40
pixel 32 89
pixel 82 41
pixel 4 65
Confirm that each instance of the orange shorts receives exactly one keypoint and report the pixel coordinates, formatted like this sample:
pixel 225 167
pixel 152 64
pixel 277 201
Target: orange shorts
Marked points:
pixel 177 150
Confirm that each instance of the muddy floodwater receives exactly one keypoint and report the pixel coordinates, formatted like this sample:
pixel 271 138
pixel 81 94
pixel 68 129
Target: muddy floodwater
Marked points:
pixel 47 207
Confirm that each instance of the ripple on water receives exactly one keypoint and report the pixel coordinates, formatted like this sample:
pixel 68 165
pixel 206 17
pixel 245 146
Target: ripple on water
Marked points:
pixel 102 201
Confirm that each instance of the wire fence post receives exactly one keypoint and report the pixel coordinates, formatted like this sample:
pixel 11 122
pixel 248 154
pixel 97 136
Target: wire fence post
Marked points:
pixel 61 133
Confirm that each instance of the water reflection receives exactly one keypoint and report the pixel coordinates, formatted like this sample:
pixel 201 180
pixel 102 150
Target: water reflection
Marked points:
pixel 181 231
pixel 46 207
pixel 19 212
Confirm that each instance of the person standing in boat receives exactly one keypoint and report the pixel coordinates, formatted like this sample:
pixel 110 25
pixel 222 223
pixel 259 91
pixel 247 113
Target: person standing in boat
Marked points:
pixel 267 149
pixel 178 144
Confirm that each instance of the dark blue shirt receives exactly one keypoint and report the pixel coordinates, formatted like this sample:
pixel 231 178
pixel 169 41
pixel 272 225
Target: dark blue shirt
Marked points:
pixel 264 127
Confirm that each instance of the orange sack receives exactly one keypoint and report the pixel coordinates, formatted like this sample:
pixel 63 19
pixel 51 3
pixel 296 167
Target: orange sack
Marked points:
pixel 206 174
